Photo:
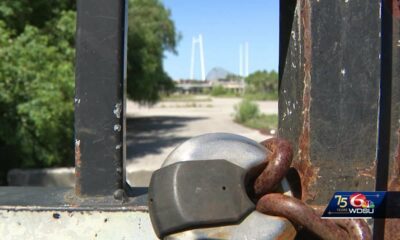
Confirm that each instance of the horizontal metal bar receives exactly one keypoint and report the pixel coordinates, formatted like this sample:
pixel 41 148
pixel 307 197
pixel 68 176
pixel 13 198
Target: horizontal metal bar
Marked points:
pixel 52 198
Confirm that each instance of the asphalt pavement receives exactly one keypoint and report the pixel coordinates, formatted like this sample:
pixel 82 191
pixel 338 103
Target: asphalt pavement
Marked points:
pixel 153 132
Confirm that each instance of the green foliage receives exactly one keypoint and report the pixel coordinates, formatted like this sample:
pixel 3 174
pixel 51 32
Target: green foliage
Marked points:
pixel 220 91
pixel 36 93
pixel 246 110
pixel 151 32
pixel 20 13
pixel 233 77
pixel 261 96
pixel 37 75
pixel 262 85
pixel 248 114
pixel 263 122
pixel 36 83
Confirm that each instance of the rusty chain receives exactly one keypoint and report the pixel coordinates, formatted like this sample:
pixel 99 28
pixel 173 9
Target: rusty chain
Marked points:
pixel 296 211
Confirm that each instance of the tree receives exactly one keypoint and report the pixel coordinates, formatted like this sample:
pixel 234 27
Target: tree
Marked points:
pixel 233 77
pixel 37 75
pixel 151 33
pixel 263 82
pixel 36 94
pixel 20 13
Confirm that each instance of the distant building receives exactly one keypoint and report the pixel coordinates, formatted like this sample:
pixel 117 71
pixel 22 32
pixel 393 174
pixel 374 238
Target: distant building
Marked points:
pixel 192 86
pixel 216 77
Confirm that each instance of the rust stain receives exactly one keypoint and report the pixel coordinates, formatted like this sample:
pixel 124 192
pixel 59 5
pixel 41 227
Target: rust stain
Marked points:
pixel 367 172
pixel 396 8
pixel 392 228
pixel 356 228
pixel 393 6
pixel 277 167
pixel 220 235
pixel 308 173
pixel 78 163
pixel 299 213
pixel 392 225
pixel 289 233
pixel 394 184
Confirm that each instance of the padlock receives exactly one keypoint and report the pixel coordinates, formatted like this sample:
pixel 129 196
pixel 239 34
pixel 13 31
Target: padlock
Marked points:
pixel 202 191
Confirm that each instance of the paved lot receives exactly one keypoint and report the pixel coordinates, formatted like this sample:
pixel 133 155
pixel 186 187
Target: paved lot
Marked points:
pixel 152 133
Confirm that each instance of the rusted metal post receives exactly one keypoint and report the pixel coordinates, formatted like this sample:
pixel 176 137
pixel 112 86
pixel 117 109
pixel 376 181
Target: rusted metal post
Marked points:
pixel 99 98
pixel 393 6
pixel 329 93
pixel 339 96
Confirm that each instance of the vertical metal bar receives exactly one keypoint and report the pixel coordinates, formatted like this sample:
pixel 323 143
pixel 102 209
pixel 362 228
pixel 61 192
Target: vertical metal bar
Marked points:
pixel 99 97
pixel 382 167
pixel 286 15
pixel 384 126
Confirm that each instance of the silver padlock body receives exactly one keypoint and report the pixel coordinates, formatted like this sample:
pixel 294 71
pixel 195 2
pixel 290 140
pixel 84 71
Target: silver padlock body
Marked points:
pixel 236 149
pixel 256 226
pixel 246 154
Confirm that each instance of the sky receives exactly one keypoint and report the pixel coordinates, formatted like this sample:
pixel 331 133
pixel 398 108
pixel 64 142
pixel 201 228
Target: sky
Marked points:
pixel 224 25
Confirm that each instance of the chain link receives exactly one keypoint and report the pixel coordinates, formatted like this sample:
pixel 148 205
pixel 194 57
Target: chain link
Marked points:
pixel 296 211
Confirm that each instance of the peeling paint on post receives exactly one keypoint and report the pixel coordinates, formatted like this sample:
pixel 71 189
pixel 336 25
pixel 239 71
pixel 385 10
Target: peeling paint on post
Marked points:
pixel 78 164
pixel 335 46
pixel 100 90
pixel 303 163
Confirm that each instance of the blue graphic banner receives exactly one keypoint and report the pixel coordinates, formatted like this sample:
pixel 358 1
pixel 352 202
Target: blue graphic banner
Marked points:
pixel 364 205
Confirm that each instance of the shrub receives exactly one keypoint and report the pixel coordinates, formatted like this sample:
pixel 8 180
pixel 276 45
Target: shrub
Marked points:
pixel 218 91
pixel 36 96
pixel 262 85
pixel 246 110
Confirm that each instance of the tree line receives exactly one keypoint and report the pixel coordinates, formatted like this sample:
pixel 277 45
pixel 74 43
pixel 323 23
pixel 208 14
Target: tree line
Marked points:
pixel 259 85
pixel 262 85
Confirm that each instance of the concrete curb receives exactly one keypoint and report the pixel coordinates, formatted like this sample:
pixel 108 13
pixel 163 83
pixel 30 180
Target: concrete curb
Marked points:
pixel 64 177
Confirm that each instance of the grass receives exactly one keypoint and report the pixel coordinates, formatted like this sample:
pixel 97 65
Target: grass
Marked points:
pixel 261 96
pixel 220 91
pixel 248 114
pixel 263 122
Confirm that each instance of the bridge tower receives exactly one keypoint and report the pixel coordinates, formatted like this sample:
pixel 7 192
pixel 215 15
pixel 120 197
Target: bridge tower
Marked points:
pixel 197 40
